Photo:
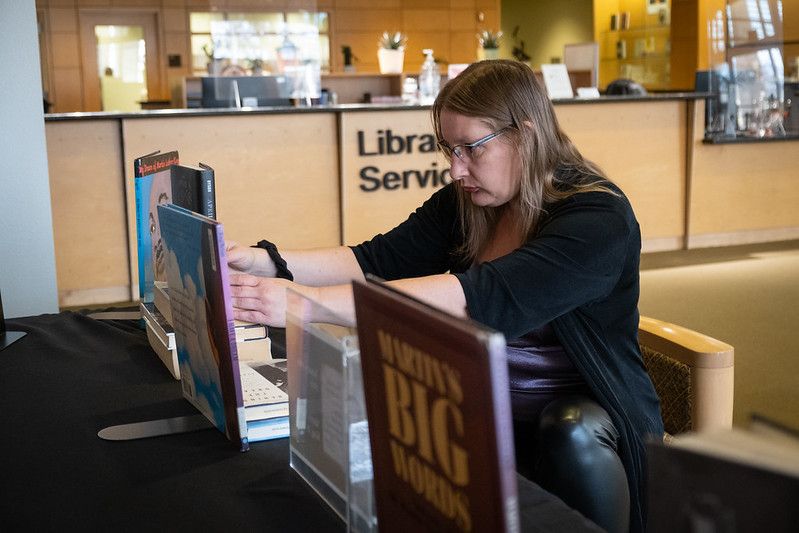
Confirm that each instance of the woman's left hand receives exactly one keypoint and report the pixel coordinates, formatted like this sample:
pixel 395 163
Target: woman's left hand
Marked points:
pixel 259 300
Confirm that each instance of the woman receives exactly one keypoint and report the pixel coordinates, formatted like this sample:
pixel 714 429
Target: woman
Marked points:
pixel 532 240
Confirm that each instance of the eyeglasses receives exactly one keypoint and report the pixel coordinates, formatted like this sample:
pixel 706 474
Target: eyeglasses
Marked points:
pixel 464 151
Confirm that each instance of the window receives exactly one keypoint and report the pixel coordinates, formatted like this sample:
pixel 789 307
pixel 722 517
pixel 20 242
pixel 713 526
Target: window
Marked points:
pixel 259 40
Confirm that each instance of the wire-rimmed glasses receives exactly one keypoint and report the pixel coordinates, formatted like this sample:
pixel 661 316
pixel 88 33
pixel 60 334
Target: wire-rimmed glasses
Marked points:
pixel 464 151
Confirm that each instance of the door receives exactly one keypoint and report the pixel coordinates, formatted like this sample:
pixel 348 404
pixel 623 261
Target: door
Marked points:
pixel 120 54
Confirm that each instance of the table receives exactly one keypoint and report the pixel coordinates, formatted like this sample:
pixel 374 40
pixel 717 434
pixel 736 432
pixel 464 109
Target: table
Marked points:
pixel 72 376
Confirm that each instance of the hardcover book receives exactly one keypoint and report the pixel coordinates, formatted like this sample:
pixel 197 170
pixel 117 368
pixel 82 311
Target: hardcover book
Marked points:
pixel 202 315
pixel 729 480
pixel 253 344
pixel 152 186
pixel 438 406
pixel 159 179
pixel 193 188
pixel 161 337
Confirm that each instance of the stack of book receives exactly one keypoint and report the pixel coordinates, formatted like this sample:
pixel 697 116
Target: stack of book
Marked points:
pixel 252 343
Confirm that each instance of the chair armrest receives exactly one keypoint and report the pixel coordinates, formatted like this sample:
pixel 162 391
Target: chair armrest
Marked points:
pixel 685 345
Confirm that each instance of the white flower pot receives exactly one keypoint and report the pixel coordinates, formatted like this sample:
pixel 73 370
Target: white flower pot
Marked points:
pixel 390 60
pixel 487 53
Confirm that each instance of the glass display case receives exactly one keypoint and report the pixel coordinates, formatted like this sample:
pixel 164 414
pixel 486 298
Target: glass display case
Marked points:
pixel 752 99
pixel 637 46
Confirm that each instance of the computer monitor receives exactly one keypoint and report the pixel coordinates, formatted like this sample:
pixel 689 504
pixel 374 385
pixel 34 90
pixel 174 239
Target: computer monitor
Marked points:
pixel 244 91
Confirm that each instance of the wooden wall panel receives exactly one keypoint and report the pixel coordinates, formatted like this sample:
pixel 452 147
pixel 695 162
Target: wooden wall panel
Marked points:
pixel 743 192
pixel 447 26
pixel 642 147
pixel 67 90
pixel 276 175
pixel 88 199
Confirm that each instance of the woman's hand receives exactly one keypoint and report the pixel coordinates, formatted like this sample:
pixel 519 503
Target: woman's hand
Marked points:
pixel 259 300
pixel 240 258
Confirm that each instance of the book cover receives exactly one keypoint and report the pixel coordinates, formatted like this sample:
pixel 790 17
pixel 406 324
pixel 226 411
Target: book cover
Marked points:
pixel 438 405
pixel 726 480
pixel 193 188
pixel 152 186
pixel 202 316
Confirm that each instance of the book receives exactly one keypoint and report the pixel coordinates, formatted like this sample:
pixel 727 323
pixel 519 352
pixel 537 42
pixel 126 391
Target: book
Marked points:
pixel 152 185
pixel 161 337
pixel 438 408
pixel 193 188
pixel 202 317
pixel 160 179
pixel 725 480
pixel 327 409
pixel 252 340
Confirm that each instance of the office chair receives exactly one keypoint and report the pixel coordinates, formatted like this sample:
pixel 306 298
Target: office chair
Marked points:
pixel 692 374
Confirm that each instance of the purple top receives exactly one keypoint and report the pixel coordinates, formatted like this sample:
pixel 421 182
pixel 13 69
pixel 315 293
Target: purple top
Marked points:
pixel 540 371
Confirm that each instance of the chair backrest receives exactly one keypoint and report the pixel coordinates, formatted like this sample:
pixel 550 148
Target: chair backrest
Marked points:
pixel 692 374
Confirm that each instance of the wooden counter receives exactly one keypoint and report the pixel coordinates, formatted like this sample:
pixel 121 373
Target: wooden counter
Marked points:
pixel 314 177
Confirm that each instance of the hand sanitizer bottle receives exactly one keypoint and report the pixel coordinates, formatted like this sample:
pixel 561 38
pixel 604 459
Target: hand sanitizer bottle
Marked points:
pixel 429 79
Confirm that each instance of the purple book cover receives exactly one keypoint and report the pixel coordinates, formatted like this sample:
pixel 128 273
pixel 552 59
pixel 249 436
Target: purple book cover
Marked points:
pixel 202 316
pixel 438 404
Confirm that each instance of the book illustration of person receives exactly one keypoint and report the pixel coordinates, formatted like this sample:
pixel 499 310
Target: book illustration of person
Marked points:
pixel 159 194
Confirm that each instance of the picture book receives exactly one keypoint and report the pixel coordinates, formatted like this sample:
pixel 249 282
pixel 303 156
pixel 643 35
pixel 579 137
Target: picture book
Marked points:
pixel 438 408
pixel 202 317
pixel 160 179
pixel 152 186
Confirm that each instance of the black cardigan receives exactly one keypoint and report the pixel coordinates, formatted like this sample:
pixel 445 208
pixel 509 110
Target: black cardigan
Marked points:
pixel 579 273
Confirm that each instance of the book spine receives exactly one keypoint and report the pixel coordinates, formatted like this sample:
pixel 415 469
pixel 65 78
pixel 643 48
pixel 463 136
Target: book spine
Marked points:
pixel 142 231
pixel 207 193
pixel 509 499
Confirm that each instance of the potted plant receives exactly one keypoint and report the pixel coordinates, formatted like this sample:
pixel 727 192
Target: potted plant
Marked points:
pixel 256 66
pixel 518 47
pixel 391 52
pixel 215 64
pixel 489 44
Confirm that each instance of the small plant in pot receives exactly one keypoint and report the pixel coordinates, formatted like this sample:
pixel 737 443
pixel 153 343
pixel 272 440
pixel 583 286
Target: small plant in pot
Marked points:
pixel 215 64
pixel 391 52
pixel 489 44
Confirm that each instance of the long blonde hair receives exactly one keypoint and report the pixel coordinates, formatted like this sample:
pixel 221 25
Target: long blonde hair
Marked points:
pixel 507 93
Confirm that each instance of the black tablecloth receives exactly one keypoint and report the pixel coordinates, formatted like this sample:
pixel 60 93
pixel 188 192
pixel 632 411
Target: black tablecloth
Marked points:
pixel 72 376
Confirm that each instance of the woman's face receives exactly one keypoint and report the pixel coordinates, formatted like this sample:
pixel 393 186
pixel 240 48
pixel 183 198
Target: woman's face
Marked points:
pixel 489 173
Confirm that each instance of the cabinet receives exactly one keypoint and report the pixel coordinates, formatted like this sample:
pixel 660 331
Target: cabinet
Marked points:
pixel 642 54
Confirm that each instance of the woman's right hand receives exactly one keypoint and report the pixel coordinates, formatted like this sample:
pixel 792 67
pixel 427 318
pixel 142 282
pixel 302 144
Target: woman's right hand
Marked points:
pixel 260 300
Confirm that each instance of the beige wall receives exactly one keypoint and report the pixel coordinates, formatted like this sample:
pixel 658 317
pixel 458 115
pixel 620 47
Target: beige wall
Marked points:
pixel 447 26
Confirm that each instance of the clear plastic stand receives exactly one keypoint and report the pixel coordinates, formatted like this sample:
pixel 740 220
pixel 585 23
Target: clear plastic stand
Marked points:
pixel 329 443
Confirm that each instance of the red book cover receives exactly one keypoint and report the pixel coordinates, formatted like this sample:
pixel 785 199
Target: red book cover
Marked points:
pixel 438 406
